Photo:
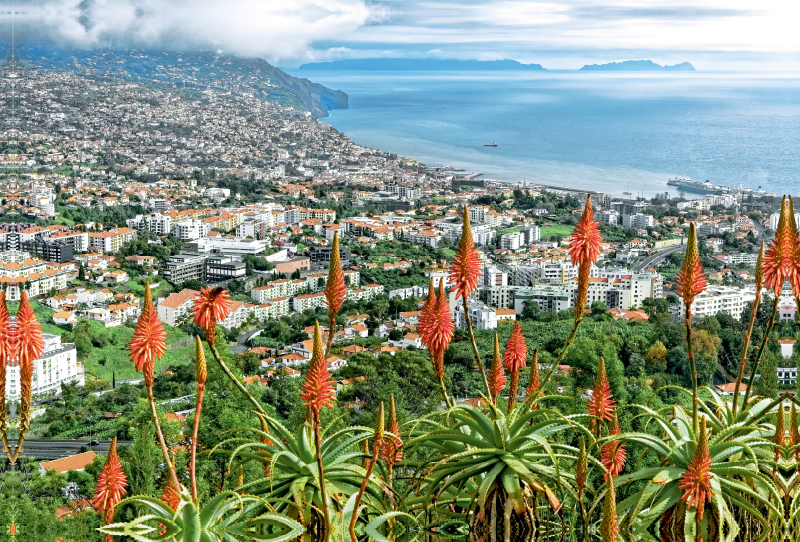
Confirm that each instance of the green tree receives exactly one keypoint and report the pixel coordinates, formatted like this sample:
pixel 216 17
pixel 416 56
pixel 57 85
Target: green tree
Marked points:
pixel 530 310
pixel 657 356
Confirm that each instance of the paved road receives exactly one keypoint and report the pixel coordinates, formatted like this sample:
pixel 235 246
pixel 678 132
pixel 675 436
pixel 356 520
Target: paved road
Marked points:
pixel 657 258
pixel 241 343
pixel 47 450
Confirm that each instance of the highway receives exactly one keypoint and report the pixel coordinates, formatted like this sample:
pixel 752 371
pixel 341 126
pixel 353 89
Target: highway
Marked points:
pixel 48 450
pixel 657 258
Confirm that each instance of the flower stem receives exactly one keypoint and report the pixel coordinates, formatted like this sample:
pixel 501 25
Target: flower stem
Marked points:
pixel 767 333
pixel 323 491
pixel 201 388
pixel 443 389
pixel 235 380
pixel 362 489
pixel 743 362
pixel 471 333
pixel 331 330
pixel 170 468
pixel 693 367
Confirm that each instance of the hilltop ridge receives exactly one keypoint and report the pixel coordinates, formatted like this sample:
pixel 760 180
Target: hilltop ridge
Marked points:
pixel 186 72
pixel 420 64
pixel 638 66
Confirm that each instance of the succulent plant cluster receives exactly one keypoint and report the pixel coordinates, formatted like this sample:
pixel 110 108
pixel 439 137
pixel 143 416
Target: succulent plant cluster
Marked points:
pixel 480 472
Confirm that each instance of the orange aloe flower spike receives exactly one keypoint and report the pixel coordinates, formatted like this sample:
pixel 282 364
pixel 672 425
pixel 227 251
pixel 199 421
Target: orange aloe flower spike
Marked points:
pixel 497 376
pixel 585 241
pixel 466 267
pixel 318 388
pixel 149 341
pixel 423 328
pixel 696 481
pixel 779 252
pixel 601 405
pixel 691 280
pixel 335 288
pixel 171 496
pixel 442 321
pixel 516 350
pixel 111 484
pixel 29 343
pixel 613 454
pixel 211 305
pixel 533 379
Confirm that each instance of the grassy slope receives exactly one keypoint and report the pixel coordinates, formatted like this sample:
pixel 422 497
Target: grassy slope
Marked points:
pixel 560 230
pixel 113 358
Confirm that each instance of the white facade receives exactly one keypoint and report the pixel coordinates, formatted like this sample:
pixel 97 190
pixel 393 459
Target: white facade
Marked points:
pixel 482 315
pixel 189 230
pixel 638 220
pixel 727 299
pixel 159 224
pixel 608 217
pixel 58 364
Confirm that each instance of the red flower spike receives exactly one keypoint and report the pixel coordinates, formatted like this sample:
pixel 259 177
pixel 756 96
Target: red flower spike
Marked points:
pixel 516 350
pixel 149 341
pixel 466 266
pixel 585 241
pixel 696 481
pixel 423 327
pixel 6 332
pixel 110 486
pixel 392 446
pixel 793 264
pixel 533 378
pixel 171 496
pixel 613 454
pixel 318 390
pixel 437 328
pixel 335 288
pixel 691 279
pixel 212 305
pixel 779 256
pixel 29 343
pixel 601 405
pixel 497 376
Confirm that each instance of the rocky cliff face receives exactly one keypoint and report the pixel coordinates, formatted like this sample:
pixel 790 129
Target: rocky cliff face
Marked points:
pixel 186 72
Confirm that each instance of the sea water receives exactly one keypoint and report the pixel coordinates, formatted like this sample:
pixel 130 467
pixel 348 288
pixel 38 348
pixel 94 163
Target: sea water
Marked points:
pixel 613 132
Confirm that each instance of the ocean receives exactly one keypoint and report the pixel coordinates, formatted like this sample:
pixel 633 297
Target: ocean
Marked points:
pixel 611 132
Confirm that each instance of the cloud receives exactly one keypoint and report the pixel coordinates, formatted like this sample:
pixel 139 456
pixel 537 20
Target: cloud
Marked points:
pixel 274 29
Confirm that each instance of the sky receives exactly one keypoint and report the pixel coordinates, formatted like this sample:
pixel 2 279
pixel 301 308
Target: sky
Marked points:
pixel 559 34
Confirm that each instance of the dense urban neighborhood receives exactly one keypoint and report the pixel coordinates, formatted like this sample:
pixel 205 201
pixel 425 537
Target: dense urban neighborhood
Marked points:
pixel 107 187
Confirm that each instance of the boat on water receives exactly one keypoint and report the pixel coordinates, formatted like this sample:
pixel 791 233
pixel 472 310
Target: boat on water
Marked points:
pixel 694 186
pixel 494 144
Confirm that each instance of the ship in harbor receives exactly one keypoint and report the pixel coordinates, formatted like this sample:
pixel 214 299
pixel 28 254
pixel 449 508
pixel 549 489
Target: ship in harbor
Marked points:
pixel 707 188
pixel 694 186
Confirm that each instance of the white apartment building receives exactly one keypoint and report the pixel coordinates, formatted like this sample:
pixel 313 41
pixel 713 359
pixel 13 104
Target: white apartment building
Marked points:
pixel 111 241
pixel 482 234
pixel 482 315
pixel 727 299
pixel 79 239
pixel 229 247
pixel 176 308
pixel 638 220
pixel 308 301
pixel 18 270
pixel 159 224
pixel 511 241
pixel 189 230
pixel 58 364
pixel 608 217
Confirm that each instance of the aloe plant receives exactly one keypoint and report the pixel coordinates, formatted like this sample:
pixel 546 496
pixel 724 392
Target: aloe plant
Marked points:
pixel 495 466
pixel 739 460
pixel 227 517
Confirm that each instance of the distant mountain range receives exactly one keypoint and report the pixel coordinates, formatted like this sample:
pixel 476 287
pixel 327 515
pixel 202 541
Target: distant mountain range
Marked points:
pixel 638 66
pixel 185 72
pixel 420 64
